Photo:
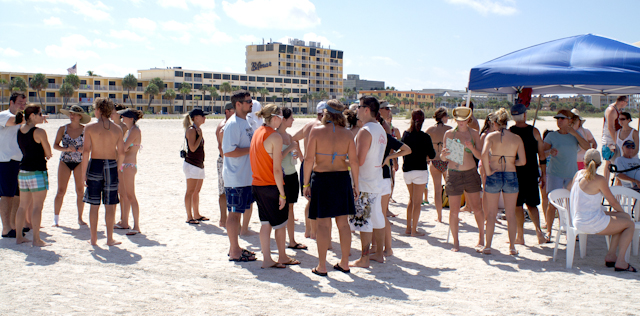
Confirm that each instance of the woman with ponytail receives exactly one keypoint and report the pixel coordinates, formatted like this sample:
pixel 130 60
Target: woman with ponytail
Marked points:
pixel 589 216
pixel 193 165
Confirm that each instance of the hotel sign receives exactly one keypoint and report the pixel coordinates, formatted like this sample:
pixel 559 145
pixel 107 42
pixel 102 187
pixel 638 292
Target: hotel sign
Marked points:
pixel 257 65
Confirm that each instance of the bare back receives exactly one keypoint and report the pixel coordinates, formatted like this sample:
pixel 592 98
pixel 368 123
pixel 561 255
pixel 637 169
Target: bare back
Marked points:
pixel 103 137
pixel 436 133
pixel 502 147
pixel 330 148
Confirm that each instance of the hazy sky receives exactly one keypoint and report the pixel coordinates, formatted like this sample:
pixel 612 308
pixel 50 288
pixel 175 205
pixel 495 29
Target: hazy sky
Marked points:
pixel 407 44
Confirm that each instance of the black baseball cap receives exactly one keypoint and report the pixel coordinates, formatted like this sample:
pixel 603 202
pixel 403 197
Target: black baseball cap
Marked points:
pixel 196 112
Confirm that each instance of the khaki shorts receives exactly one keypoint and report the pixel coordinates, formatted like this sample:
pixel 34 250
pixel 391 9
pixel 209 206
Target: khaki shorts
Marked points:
pixel 459 182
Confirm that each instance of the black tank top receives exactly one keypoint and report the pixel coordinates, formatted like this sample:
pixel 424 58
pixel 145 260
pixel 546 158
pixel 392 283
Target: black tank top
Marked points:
pixel 196 157
pixel 32 152
pixel 530 148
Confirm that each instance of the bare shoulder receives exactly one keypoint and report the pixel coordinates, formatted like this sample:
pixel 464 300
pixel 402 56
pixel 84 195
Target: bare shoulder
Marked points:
pixel 431 129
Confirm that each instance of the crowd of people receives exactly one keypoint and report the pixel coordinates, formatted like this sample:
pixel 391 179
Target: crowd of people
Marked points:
pixel 347 173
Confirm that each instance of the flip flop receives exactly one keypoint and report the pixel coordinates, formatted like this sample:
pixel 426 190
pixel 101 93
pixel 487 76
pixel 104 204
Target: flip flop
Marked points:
pixel 628 269
pixel 277 266
pixel 118 226
pixel 316 272
pixel 192 222
pixel 202 219
pixel 132 232
pixel 610 264
pixel 298 246
pixel 339 268
pixel 246 253
pixel 243 258
pixel 291 262
pixel 10 234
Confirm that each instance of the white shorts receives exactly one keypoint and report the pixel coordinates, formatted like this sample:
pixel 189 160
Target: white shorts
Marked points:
pixel 192 172
pixel 416 177
pixel 387 187
pixel 368 213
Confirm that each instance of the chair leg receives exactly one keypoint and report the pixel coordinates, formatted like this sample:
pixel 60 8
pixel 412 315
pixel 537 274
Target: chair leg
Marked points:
pixel 627 255
pixel 583 245
pixel 607 238
pixel 635 241
pixel 555 249
pixel 448 234
pixel 571 248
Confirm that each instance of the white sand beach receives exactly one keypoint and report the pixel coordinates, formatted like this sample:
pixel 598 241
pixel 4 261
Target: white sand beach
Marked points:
pixel 176 268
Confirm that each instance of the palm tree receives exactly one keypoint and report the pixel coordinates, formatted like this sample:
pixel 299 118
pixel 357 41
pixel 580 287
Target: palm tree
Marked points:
pixel 225 88
pixel 151 90
pixel 3 82
pixel 405 100
pixel 66 91
pixel 263 92
pixel 91 73
pixel 204 89
pixel 197 98
pixel 159 83
pixel 347 92
pixel 18 84
pixel 438 101
pixel 129 82
pixel 214 95
pixel 170 95
pixel 323 94
pixel 73 80
pixel 185 89
pixel 38 82
pixel 284 92
pixel 253 91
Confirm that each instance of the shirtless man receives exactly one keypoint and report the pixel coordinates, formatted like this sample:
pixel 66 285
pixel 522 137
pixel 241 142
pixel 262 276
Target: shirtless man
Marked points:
pixel 222 197
pixel 310 226
pixel 609 131
pixel 103 153
pixel 371 142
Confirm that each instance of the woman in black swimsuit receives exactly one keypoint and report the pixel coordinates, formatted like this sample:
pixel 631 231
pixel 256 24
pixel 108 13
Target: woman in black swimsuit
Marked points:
pixel 72 138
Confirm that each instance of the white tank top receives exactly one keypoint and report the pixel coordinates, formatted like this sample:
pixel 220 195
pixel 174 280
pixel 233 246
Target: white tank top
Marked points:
pixel 619 141
pixel 370 173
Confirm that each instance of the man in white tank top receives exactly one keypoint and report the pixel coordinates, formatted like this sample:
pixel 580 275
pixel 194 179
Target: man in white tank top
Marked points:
pixel 371 141
pixel 609 129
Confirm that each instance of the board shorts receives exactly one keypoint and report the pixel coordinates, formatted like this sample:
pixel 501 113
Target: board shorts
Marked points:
pixel 102 182
pixel 33 181
pixel 239 199
pixel 219 165
pixel 368 213
pixel 291 187
pixel 331 195
pixel 9 178
pixel 458 182
pixel 506 182
pixel 268 198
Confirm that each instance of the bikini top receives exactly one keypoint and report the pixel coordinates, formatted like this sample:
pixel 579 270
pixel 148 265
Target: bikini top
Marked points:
pixel 471 137
pixel 335 153
pixel 503 159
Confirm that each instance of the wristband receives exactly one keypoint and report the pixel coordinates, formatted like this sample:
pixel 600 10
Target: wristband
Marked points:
pixel 306 185
pixel 282 197
pixel 543 162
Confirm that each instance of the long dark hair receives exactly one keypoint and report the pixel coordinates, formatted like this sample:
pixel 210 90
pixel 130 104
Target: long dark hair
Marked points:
pixel 417 118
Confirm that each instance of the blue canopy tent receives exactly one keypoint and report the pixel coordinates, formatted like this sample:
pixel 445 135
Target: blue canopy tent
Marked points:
pixel 583 64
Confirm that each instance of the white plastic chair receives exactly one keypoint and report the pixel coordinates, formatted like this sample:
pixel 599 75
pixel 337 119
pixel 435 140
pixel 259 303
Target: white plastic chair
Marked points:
pixel 629 199
pixel 560 199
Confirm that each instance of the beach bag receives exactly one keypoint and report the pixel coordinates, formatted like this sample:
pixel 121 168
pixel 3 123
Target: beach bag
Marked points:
pixel 445 198
pixel 183 151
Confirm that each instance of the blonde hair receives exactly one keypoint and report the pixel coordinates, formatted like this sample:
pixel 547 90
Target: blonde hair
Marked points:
pixel 187 121
pixel 267 112
pixel 337 119
pixel 590 170
pixel 501 117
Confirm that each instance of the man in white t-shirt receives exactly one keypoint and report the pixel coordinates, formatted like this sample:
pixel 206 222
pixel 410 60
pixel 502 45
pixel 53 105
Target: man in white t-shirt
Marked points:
pixel 371 142
pixel 628 161
pixel 10 157
pixel 252 119
pixel 236 173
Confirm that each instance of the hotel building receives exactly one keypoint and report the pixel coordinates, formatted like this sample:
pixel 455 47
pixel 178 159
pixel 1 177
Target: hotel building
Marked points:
pixel 323 67
pixel 92 87
pixel 414 100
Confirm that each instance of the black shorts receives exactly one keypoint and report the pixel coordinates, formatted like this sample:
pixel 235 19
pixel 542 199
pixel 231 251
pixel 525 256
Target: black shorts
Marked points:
pixel 267 198
pixel 291 188
pixel 9 178
pixel 102 182
pixel 529 193
pixel 302 177
pixel 331 195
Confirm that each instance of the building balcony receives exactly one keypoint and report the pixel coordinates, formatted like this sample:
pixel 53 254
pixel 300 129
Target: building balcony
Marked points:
pixel 86 87
pixel 99 87
pixel 196 79
pixel 115 88
pixel 53 100
pixel 53 86
pixel 188 79
pixel 140 89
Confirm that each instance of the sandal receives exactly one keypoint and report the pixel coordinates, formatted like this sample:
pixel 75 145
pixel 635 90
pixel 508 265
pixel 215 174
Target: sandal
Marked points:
pixel 244 258
pixel 193 222
pixel 202 219
pixel 628 269
pixel 298 246
pixel 316 272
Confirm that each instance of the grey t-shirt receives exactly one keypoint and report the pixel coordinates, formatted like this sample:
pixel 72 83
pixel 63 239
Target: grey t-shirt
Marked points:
pixel 623 163
pixel 565 163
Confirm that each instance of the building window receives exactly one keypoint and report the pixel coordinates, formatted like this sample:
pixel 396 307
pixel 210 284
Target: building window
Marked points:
pixel 269 89
pixel 252 78
pixel 288 72
pixel 178 74
pixel 288 64
pixel 176 85
pixel 260 79
pixel 269 79
pixel 217 76
pixel 226 77
pixel 296 100
pixel 260 48
pixel 330 90
pixel 97 83
pixel 269 47
pixel 304 73
pixel 295 80
pixel 207 76
pixel 303 81
pixel 278 89
pixel 197 85
pixel 295 90
pixel 287 80
pixel 112 96
pixel 243 78
pixel 235 77
pixel 303 91
pixel 279 80
pixel 197 75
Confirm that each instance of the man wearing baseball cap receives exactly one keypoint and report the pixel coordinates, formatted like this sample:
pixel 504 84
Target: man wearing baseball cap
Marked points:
pixel 529 192
pixel 563 165
pixel 629 161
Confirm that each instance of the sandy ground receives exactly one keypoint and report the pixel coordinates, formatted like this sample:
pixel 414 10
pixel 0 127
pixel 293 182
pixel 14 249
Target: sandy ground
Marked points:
pixel 175 268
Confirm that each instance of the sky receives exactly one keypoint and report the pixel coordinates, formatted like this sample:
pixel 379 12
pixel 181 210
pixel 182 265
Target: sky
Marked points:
pixel 407 44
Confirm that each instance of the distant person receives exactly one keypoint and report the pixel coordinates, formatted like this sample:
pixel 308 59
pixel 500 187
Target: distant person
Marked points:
pixel 528 175
pixel 103 152
pixel 628 161
pixel 129 168
pixel 236 170
pixel 193 166
pixel 464 177
pixel 32 178
pixel 10 157
pixel 117 119
pixel 609 130
pixel 438 167
pixel 473 124
pixel 72 137
pixel 415 169
pixel 502 152
pixel 387 114
pixel 222 197
pixel 290 155
pixel 353 123
pixel 328 182
pixel 252 118
pixel 626 132
pixel 585 133
pixel 564 145
pixel 588 215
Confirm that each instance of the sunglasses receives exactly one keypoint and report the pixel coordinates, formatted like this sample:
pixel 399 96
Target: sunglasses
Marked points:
pixel 362 106
pixel 247 101
pixel 276 115
pixel 630 146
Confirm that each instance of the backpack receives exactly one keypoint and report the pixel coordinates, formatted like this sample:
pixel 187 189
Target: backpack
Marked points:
pixel 445 198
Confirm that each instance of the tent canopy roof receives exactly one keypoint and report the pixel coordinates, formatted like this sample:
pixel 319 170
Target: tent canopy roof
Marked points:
pixel 583 64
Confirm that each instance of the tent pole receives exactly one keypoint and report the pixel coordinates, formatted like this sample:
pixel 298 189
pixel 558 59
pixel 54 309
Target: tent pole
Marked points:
pixel 537 109
pixel 469 99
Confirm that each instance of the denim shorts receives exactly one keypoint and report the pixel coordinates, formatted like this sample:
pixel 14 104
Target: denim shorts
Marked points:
pixel 239 199
pixel 506 182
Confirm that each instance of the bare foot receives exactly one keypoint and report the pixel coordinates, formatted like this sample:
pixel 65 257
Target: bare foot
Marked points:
pixel 313 236
pixel 542 239
pixel 519 241
pixel 377 258
pixel 407 233
pixel 456 247
pixel 93 242
pixel 417 234
pixel 307 234
pixel 40 243
pixel 478 247
pixel 82 223
pixel 20 240
pixel 387 253
pixel 55 225
pixel 113 243
pixel 361 263
pixel 222 224
pixel 486 251
pixel 439 220
pixel 248 233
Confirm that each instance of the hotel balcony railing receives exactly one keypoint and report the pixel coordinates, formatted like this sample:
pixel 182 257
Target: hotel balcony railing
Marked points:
pixel 53 86
pixel 115 88
pixel 139 88
pixel 196 79
pixel 187 79
pixel 54 100
pixel 86 87
pixel 99 87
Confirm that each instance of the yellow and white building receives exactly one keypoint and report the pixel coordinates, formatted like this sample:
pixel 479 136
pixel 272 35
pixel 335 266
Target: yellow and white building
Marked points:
pixel 408 99
pixel 322 66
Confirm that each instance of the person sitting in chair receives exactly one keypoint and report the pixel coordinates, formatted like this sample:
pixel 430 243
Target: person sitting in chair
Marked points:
pixel 629 161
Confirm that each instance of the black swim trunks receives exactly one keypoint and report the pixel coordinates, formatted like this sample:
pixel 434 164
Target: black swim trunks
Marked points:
pixel 291 187
pixel 102 182
pixel 268 200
